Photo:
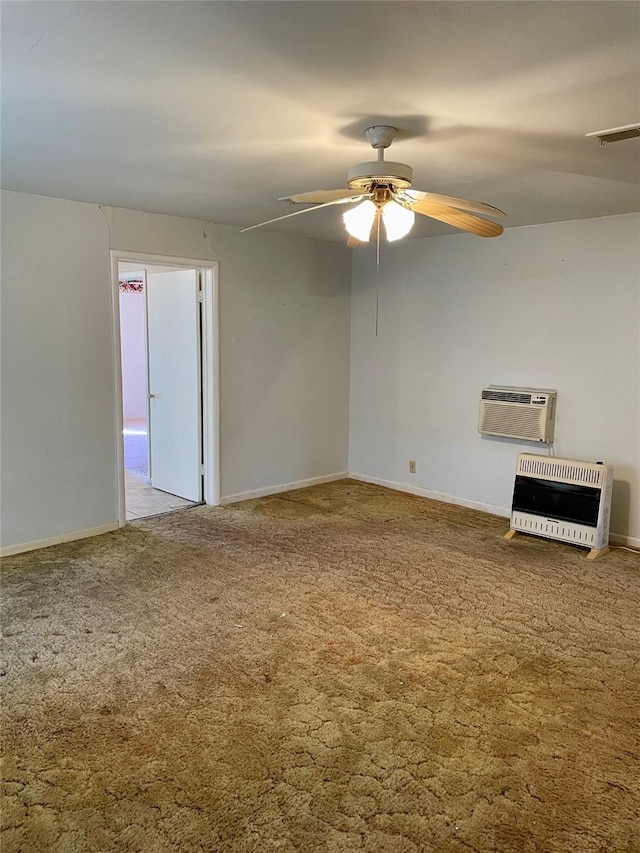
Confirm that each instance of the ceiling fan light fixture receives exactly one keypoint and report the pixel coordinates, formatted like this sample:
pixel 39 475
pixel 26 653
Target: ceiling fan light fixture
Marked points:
pixel 398 221
pixel 359 220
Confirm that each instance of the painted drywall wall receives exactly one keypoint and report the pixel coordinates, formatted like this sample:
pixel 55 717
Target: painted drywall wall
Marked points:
pixel 58 429
pixel 284 345
pixel 554 306
pixel 134 355
pixel 284 365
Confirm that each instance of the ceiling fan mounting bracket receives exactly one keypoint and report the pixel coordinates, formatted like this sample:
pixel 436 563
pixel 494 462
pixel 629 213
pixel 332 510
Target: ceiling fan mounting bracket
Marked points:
pixel 380 135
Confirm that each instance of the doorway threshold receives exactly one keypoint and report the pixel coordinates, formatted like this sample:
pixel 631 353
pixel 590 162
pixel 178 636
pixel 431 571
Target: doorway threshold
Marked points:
pixel 142 500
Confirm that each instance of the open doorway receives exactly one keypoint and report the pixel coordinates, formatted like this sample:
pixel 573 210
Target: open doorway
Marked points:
pixel 164 442
pixel 152 293
pixel 167 457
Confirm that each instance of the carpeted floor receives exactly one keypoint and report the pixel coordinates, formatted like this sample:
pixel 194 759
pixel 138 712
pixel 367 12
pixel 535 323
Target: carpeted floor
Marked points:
pixel 342 668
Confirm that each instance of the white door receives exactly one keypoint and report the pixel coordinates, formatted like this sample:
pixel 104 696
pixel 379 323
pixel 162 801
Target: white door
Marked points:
pixel 173 341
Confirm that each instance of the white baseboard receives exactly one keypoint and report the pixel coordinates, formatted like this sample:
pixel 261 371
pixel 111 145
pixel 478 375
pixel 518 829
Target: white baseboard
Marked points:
pixel 624 541
pixel 504 512
pixel 283 487
pixel 58 540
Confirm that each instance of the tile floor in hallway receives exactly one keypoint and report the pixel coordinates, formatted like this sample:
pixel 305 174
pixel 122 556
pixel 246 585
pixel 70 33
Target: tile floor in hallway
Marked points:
pixel 142 500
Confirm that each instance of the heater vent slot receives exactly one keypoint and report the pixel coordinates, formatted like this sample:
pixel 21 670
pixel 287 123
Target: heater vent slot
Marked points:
pixel 560 470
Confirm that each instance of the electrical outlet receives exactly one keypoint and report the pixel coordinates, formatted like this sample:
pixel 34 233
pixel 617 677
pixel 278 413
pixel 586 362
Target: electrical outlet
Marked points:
pixel 412 466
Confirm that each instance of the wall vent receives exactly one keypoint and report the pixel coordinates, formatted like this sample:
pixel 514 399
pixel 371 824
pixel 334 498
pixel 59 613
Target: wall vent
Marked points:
pixel 615 134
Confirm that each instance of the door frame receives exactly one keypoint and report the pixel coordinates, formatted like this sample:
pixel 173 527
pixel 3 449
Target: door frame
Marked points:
pixel 210 357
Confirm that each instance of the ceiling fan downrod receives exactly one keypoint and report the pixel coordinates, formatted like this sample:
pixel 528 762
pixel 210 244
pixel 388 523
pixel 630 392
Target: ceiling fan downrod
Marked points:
pixel 380 136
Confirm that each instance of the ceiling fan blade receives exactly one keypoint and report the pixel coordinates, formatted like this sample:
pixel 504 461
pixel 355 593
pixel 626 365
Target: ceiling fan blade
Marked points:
pixel 459 203
pixel 304 210
pixel 464 221
pixel 321 196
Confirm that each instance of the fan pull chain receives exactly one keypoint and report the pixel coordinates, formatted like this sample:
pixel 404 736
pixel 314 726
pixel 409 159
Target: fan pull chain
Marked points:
pixel 377 270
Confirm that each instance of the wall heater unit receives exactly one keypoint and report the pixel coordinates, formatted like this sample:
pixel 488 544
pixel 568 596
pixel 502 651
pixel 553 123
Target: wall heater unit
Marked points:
pixel 525 413
pixel 563 499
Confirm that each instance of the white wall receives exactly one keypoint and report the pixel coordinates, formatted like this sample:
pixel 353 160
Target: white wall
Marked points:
pixel 58 429
pixel 284 345
pixel 134 355
pixel 555 306
pixel 284 372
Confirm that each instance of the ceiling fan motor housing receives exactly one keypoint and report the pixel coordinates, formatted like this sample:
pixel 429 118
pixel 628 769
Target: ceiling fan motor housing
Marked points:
pixel 385 172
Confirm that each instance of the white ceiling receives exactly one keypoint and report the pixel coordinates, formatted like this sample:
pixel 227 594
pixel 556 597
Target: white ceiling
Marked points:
pixel 213 110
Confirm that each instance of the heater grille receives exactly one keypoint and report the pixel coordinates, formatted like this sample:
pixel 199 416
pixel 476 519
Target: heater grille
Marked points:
pixel 565 532
pixel 562 470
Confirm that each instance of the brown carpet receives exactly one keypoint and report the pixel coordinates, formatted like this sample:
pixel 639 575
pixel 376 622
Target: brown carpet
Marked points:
pixel 342 668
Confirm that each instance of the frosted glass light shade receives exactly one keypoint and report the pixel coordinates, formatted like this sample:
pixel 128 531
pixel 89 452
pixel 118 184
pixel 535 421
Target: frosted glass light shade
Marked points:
pixel 359 220
pixel 398 221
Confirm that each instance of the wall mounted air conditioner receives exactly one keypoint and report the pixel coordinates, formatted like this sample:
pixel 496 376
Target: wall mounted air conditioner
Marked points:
pixel 563 499
pixel 525 413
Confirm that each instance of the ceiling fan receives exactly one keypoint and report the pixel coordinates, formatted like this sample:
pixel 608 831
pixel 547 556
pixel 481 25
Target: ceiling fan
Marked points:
pixel 380 189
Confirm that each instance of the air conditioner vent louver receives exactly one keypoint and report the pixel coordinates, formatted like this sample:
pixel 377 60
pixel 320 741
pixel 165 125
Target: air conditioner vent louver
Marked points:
pixel 507 421
pixel 506 397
